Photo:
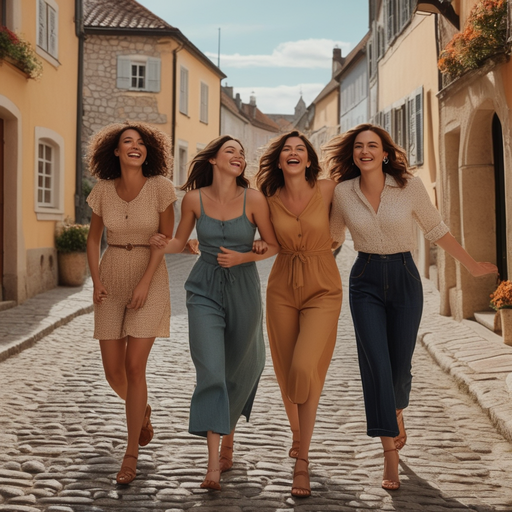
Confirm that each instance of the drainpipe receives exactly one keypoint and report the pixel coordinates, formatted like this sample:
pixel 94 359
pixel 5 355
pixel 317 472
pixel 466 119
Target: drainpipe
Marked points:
pixel 174 96
pixel 79 30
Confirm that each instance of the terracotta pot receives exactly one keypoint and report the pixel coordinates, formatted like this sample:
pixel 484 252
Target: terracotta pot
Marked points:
pixel 73 268
pixel 506 325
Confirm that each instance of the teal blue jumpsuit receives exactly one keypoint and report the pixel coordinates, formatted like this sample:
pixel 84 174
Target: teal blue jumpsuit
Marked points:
pixel 225 327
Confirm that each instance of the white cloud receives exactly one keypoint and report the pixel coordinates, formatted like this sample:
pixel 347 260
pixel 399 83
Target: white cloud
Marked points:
pixel 281 99
pixel 307 53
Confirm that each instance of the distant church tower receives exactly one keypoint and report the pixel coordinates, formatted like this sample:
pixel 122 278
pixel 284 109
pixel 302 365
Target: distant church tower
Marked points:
pixel 300 108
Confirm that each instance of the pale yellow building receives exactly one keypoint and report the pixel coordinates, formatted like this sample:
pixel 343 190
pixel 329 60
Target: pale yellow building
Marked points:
pixel 403 84
pixel 139 67
pixel 38 120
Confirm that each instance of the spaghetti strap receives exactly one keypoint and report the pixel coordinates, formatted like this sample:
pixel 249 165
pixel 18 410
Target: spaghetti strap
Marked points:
pixel 201 202
pixel 245 193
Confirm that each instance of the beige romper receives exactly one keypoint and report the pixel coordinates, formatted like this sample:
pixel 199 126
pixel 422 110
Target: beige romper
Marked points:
pixel 132 222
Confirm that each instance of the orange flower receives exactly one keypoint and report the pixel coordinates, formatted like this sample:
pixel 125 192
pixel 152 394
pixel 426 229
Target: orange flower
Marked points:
pixel 502 297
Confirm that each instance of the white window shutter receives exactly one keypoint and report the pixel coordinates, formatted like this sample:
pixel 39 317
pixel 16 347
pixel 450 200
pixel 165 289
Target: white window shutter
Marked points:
pixel 52 32
pixel 204 102
pixel 42 39
pixel 123 72
pixel 184 91
pixel 153 74
pixel 412 149
pixel 419 127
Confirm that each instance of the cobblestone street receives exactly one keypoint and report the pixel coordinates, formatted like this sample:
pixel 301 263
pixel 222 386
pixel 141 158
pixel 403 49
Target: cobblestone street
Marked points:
pixel 62 434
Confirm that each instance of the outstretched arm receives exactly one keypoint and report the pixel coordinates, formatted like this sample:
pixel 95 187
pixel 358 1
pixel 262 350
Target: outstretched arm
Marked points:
pixel 476 268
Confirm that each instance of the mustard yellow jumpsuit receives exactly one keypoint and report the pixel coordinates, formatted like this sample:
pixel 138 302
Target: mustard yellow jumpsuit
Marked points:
pixel 303 299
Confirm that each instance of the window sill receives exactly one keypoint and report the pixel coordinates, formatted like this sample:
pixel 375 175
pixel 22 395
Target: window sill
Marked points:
pixel 183 114
pixel 49 215
pixel 52 60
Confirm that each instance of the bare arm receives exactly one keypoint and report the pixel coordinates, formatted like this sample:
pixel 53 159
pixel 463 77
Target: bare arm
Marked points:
pixel 257 207
pixel 453 248
pixel 93 257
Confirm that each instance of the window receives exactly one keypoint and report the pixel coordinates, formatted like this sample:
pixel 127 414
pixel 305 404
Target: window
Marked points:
pixel 45 175
pixel 138 73
pixel 49 175
pixel 3 13
pixel 182 163
pixel 397 14
pixel 47 26
pixel 184 90
pixel 204 103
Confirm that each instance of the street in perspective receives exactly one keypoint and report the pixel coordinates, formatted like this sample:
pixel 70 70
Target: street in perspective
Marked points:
pixel 63 433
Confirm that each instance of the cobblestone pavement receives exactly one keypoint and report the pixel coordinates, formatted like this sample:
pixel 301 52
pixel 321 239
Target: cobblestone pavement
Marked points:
pixel 62 434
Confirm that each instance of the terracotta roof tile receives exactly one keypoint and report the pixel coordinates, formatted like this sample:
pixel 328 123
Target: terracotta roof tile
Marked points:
pixel 121 14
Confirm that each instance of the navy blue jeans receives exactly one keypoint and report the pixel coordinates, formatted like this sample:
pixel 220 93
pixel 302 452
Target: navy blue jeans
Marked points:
pixel 386 302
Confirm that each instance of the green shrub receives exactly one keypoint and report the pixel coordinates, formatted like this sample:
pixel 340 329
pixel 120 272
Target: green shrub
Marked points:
pixel 72 238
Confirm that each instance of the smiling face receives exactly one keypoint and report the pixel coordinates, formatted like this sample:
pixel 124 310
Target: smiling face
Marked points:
pixel 294 157
pixel 230 158
pixel 131 149
pixel 368 152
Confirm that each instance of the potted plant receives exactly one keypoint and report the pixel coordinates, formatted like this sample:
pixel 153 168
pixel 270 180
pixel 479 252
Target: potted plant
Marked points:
pixel 19 53
pixel 501 300
pixel 71 245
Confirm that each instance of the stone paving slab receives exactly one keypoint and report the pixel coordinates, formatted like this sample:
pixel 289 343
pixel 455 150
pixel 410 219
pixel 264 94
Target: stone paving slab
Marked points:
pixel 24 325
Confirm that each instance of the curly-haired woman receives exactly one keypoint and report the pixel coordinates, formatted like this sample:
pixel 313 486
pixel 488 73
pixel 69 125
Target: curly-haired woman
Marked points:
pixel 304 287
pixel 378 199
pixel 134 200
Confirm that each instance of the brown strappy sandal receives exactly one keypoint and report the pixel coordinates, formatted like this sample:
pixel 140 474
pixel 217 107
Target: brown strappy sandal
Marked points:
pixel 391 485
pixel 301 492
pixel 401 438
pixel 126 474
pixel 146 432
pixel 211 484
pixel 225 461
pixel 294 450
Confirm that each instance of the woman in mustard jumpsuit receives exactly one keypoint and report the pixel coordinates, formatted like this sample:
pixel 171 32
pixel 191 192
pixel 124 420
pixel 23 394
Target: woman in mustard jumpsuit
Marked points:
pixel 304 287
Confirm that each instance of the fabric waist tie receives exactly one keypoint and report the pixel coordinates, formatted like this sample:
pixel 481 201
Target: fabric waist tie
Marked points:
pixel 128 247
pixel 296 273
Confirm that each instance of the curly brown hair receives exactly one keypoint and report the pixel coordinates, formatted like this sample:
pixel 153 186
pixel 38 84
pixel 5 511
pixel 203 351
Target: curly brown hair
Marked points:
pixel 270 178
pixel 200 172
pixel 104 164
pixel 340 165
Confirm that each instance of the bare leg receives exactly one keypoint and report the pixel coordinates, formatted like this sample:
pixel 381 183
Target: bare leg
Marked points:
pixel 391 479
pixel 226 452
pixel 292 412
pixel 113 355
pixel 137 354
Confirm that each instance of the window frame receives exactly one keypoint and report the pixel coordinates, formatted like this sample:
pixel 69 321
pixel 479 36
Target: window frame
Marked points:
pixel 124 74
pixel 50 138
pixel 182 163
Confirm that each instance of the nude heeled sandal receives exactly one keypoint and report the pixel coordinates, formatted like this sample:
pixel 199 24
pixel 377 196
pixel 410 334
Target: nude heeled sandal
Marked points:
pixel 391 485
pixel 211 484
pixel 301 492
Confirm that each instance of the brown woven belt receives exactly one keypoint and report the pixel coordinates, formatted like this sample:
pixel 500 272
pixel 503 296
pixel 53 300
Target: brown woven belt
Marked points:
pixel 128 247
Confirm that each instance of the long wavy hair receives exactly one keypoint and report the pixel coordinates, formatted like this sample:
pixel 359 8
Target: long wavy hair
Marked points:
pixel 270 178
pixel 104 164
pixel 200 172
pixel 339 162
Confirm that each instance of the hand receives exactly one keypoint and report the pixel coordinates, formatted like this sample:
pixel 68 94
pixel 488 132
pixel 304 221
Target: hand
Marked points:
pixel 484 268
pixel 192 246
pixel 159 241
pixel 99 293
pixel 139 296
pixel 228 258
pixel 259 247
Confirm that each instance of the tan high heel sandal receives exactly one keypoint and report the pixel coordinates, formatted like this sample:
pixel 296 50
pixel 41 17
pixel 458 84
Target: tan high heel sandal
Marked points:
pixel 391 485
pixel 146 432
pixel 211 484
pixel 225 462
pixel 294 450
pixel 401 438
pixel 126 474
pixel 301 492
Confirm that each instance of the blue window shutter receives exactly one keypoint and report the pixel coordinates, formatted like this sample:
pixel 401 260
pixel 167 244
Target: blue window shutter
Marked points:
pixel 123 72
pixel 153 75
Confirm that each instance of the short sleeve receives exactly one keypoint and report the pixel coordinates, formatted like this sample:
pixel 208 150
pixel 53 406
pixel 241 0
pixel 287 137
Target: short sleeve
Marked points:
pixel 336 220
pixel 166 193
pixel 426 214
pixel 95 198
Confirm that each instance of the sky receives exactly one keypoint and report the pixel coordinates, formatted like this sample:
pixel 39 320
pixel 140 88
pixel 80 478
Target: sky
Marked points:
pixel 272 49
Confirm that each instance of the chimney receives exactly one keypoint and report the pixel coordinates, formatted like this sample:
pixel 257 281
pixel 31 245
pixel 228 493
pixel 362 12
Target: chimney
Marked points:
pixel 228 90
pixel 252 100
pixel 238 101
pixel 337 60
